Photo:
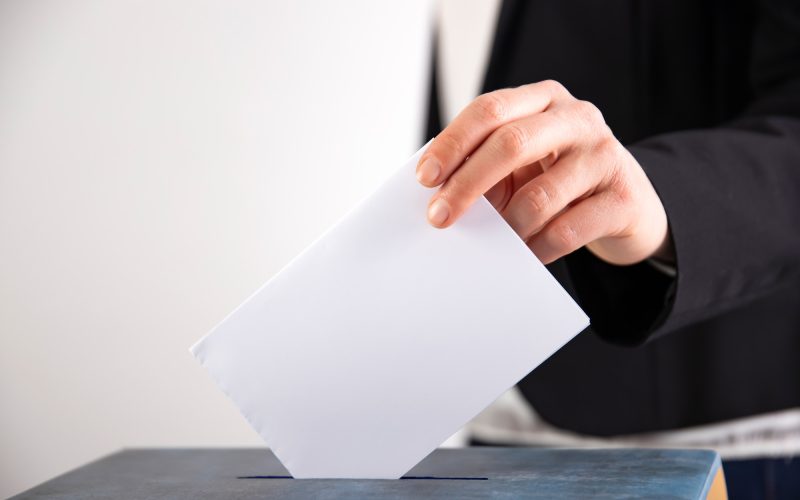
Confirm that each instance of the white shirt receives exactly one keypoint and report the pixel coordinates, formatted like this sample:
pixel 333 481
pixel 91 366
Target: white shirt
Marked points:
pixel 466 31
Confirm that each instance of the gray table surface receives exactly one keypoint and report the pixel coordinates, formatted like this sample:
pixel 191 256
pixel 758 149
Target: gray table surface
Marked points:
pixel 446 473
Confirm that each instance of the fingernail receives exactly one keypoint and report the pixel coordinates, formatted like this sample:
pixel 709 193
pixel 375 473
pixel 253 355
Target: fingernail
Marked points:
pixel 428 171
pixel 438 212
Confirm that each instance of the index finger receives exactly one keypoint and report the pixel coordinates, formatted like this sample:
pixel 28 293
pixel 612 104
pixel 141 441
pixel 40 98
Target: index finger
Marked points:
pixel 477 121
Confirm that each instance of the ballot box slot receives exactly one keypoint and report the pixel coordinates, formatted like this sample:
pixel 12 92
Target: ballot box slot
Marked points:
pixel 416 478
pixel 264 477
pixel 439 478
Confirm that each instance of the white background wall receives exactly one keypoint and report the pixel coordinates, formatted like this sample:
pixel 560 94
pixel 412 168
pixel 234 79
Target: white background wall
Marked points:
pixel 159 160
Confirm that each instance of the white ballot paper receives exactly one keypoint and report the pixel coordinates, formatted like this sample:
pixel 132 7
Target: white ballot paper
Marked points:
pixel 387 335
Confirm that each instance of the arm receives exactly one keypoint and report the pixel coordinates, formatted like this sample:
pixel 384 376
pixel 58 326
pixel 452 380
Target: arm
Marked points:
pixel 554 170
pixel 732 196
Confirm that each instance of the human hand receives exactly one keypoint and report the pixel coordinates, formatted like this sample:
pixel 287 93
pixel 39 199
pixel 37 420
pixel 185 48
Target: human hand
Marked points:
pixel 553 169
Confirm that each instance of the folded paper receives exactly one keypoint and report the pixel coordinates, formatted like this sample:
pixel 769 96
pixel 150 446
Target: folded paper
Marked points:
pixel 387 335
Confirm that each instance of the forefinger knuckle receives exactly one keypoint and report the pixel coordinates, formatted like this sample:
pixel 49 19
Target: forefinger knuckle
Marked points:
pixel 448 144
pixel 491 107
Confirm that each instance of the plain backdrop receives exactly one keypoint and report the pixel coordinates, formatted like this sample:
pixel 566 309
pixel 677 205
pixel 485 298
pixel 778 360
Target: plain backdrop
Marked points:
pixel 159 160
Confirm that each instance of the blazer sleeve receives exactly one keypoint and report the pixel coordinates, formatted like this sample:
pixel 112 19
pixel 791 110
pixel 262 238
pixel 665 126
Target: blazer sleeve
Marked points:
pixel 732 197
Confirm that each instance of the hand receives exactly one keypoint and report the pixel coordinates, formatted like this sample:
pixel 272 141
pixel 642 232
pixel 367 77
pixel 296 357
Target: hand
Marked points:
pixel 552 168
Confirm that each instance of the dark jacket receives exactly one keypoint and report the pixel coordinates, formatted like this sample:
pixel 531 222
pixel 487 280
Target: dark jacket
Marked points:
pixel 706 95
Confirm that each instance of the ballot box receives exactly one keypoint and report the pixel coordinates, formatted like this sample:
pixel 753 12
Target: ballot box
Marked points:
pixel 446 473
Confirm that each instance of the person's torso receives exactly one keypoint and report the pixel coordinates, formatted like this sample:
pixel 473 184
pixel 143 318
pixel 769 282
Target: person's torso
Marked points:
pixel 652 67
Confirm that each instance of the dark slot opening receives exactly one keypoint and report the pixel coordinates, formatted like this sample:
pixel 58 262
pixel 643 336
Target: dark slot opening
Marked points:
pixel 433 478
pixel 264 477
pixel 455 478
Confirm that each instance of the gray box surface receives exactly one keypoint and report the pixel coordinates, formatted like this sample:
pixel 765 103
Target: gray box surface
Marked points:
pixel 446 473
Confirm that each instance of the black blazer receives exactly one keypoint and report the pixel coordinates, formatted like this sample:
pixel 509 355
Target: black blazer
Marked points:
pixel 706 95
